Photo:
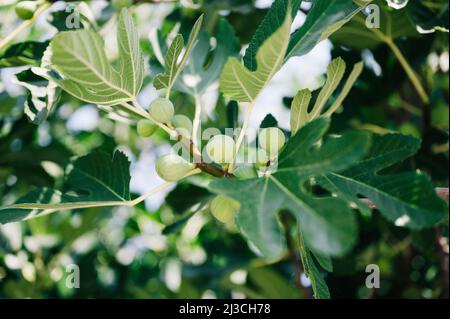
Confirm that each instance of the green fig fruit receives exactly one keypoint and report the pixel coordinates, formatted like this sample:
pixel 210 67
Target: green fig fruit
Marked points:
pixel 146 128
pixel 183 125
pixel 221 149
pixel 25 9
pixel 271 140
pixel 224 208
pixel 162 110
pixel 172 168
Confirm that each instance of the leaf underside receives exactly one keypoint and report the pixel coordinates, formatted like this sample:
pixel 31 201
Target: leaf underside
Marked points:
pixel 84 71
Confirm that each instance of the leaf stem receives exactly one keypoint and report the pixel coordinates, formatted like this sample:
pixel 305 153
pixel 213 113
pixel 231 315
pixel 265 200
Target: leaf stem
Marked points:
pixel 241 137
pixel 25 24
pixel 413 77
pixel 168 92
pixel 49 208
pixel 197 119
pixel 136 103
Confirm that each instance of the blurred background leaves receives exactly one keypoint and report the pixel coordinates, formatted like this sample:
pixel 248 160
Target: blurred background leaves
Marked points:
pixel 171 247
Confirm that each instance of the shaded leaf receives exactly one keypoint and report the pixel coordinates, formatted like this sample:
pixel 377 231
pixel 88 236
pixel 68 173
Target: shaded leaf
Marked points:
pixel 328 223
pixel 94 180
pixel 202 71
pixel 24 53
pixel 270 24
pixel 269 121
pixel 68 19
pixel 42 95
pixel 430 16
pixel 324 17
pixel 408 198
pixel 318 284
pixel 393 25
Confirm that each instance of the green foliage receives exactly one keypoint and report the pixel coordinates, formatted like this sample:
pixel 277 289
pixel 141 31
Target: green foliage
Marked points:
pixel 42 97
pixel 393 24
pixel 88 183
pixel 321 22
pixel 406 197
pixel 327 223
pixel 430 16
pixel 87 74
pixel 271 23
pixel 203 70
pixel 24 53
pixel 338 196
pixel 240 84
pixel 300 113
pixel 173 67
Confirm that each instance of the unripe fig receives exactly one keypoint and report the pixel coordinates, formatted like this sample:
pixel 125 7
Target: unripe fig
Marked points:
pixel 25 9
pixel 172 167
pixel 145 128
pixel 271 140
pixel 182 124
pixel 161 110
pixel 224 208
pixel 221 149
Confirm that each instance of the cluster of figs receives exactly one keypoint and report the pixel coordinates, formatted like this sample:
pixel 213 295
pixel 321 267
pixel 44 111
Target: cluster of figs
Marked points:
pixel 220 149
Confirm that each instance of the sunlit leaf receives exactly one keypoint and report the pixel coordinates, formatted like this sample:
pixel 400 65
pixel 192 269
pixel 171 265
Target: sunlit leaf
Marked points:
pixel 84 71
pixel 240 84
pixel 174 64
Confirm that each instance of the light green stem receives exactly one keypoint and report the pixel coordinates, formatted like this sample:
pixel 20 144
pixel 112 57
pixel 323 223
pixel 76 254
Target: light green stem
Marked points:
pixel 25 24
pixel 241 137
pixel 409 71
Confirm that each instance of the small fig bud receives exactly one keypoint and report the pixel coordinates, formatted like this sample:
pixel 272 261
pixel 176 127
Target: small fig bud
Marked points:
pixel 145 128
pixel 271 140
pixel 162 110
pixel 172 167
pixel 25 9
pixel 224 208
pixel 182 124
pixel 221 149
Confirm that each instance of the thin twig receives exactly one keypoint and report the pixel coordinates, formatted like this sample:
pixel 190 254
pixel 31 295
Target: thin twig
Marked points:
pixel 409 71
pixel 24 25
pixel 187 143
pixel 197 119
pixel 241 137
